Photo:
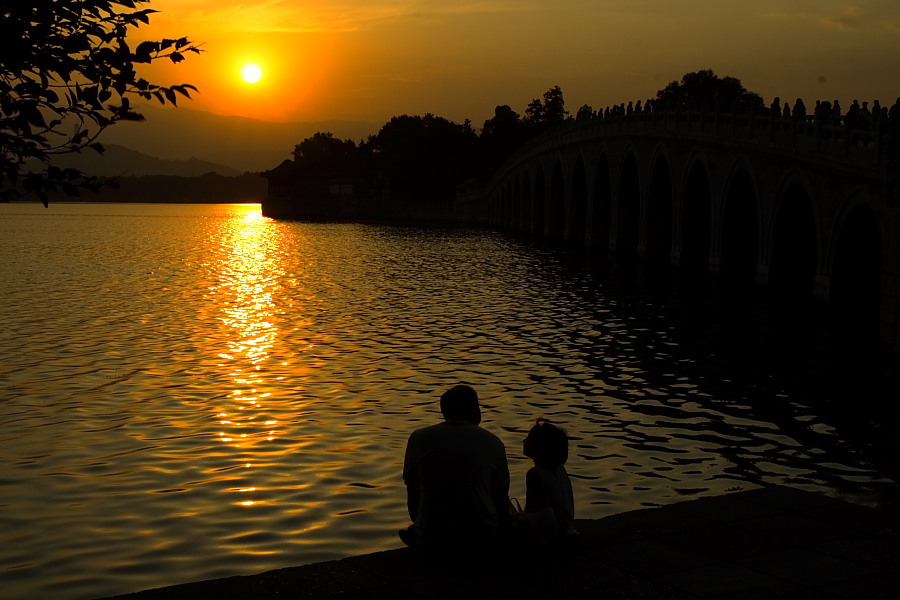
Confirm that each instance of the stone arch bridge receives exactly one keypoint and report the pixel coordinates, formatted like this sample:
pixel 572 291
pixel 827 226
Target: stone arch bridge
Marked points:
pixel 809 211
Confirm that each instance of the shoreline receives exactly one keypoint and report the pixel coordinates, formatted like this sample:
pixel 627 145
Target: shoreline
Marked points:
pixel 769 542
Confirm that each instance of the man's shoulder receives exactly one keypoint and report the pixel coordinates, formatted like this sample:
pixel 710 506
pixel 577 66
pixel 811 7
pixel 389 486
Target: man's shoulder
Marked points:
pixel 426 430
pixel 429 434
pixel 455 429
pixel 489 435
pixel 488 441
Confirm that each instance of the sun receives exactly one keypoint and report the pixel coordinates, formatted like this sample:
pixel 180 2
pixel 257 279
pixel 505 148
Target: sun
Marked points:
pixel 251 72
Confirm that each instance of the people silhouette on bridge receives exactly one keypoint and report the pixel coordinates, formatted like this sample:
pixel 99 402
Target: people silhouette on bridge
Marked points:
pixel 826 116
pixel 823 113
pixel 864 117
pixel 775 107
pixel 851 120
pixel 894 118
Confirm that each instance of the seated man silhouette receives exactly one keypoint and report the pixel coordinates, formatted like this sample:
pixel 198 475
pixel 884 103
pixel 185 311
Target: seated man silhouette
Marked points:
pixel 457 479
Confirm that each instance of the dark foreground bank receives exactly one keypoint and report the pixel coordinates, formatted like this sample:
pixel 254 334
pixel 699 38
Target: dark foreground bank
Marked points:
pixel 766 543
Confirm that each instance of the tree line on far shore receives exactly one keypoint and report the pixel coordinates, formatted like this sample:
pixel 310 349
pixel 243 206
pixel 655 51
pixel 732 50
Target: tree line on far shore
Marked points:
pixel 427 157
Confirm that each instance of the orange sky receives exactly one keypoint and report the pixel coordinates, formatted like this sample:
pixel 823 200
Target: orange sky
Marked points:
pixel 368 60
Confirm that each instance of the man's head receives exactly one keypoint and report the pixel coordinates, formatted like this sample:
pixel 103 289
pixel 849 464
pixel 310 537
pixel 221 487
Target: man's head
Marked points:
pixel 460 403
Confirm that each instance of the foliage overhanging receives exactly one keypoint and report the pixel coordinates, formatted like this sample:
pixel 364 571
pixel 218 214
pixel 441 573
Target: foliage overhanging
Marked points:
pixel 67 73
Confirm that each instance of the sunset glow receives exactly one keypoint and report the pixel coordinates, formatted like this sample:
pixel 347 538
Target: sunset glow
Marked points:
pixel 370 61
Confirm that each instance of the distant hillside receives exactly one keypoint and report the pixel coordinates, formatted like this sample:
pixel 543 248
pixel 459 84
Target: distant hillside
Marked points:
pixel 121 161
pixel 241 143
pixel 208 188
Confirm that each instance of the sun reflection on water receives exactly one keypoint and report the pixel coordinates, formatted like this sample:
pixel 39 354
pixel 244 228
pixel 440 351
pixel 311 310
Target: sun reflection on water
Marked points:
pixel 246 282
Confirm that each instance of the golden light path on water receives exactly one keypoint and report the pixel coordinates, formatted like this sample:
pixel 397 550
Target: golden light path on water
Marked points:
pixel 244 291
pixel 262 421
pixel 245 294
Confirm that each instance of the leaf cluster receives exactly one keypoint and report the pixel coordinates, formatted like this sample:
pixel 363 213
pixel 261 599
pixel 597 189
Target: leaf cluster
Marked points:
pixel 66 74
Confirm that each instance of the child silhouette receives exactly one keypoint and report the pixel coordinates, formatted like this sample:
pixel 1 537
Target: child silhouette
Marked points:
pixel 549 503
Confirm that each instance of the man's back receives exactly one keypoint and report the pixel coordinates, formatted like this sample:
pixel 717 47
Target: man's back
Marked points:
pixel 461 473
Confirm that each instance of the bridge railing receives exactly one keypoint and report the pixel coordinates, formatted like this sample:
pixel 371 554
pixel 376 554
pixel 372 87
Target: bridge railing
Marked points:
pixel 783 135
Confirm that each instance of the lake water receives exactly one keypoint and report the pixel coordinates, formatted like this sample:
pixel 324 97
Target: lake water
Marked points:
pixel 196 391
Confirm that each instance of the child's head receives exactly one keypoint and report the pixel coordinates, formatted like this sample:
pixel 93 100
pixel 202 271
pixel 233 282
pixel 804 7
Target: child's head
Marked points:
pixel 546 444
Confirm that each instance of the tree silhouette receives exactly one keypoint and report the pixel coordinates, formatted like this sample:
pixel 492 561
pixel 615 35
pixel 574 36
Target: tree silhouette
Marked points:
pixel 424 156
pixel 324 151
pixel 548 112
pixel 66 74
pixel 500 136
pixel 704 90
pixel 504 124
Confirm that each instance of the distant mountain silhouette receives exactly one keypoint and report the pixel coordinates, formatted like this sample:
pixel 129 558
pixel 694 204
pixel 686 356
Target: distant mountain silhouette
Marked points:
pixel 118 160
pixel 242 143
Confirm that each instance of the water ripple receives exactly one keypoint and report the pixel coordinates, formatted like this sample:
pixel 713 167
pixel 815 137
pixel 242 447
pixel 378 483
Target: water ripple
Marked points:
pixel 192 392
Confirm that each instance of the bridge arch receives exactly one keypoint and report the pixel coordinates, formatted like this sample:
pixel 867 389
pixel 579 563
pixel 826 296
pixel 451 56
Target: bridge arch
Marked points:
pixel 601 203
pixel 577 216
pixel 627 209
pixel 660 210
pixel 525 223
pixel 753 199
pixel 516 205
pixel 506 205
pixel 856 272
pixel 740 229
pixel 556 209
pixel 539 203
pixel 794 251
pixel 696 217
pixel 497 206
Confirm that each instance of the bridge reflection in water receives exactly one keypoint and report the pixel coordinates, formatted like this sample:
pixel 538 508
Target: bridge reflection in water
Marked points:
pixel 776 237
pixel 805 211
